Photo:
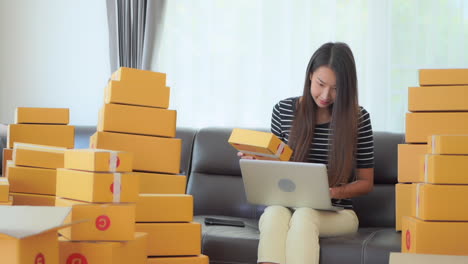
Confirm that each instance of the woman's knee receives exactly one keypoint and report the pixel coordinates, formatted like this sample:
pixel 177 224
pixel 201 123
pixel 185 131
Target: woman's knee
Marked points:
pixel 305 217
pixel 277 215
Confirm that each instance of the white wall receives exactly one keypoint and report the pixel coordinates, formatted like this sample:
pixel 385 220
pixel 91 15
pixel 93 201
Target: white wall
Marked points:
pixel 53 53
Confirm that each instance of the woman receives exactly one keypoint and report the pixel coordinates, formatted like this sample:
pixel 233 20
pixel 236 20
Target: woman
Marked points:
pixel 324 125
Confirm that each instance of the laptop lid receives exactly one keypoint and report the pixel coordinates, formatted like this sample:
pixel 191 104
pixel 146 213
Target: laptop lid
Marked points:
pixel 290 184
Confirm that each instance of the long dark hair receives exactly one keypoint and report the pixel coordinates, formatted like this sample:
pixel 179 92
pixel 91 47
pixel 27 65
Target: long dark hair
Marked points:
pixel 344 117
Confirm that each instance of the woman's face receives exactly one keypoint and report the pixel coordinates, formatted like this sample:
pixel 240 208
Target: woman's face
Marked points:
pixel 323 86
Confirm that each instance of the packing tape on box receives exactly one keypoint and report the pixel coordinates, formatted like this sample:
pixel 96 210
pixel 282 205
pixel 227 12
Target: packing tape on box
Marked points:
pixel 117 187
pixel 433 144
pixel 274 156
pixel 113 161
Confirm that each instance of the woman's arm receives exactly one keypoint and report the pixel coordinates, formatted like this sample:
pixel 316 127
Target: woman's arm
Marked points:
pixel 363 185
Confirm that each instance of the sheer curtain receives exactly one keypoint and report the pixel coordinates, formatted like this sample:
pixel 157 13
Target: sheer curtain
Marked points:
pixel 228 62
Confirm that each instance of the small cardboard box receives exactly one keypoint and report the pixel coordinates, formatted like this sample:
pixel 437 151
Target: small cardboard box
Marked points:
pixel 421 125
pixel 431 237
pixel 110 222
pixel 26 241
pixel 50 135
pixel 162 183
pixel 411 162
pixel 153 154
pixel 99 160
pixel 445 169
pixel 164 239
pixel 200 259
pixel 97 187
pixel 132 74
pixel 448 144
pixel 140 93
pixel 33 199
pixel 137 120
pixel 31 180
pixel 133 251
pixel 38 115
pixel 9 202
pixel 436 202
pixel 4 190
pixel 443 76
pixel 263 145
pixel 7 155
pixel 164 208
pixel 39 156
pixel 405 202
pixel 409 258
pixel 438 98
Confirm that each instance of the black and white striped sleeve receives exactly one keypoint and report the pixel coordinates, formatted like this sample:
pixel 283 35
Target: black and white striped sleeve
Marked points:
pixel 276 122
pixel 365 144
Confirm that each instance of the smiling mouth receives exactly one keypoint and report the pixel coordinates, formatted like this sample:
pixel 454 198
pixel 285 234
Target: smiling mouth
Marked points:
pixel 324 102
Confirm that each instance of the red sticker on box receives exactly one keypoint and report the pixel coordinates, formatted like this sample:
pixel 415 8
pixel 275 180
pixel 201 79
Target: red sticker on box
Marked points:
pixel 111 188
pixel 103 222
pixel 408 240
pixel 40 259
pixel 77 258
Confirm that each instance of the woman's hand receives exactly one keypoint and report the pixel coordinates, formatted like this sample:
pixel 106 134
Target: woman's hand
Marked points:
pixel 244 156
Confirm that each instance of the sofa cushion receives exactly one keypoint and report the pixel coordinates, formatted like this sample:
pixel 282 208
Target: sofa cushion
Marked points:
pixel 227 244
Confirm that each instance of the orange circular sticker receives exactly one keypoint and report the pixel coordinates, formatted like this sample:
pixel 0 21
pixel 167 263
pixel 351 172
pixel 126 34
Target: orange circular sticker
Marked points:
pixel 40 259
pixel 103 222
pixel 408 240
pixel 77 258
pixel 111 188
pixel 117 162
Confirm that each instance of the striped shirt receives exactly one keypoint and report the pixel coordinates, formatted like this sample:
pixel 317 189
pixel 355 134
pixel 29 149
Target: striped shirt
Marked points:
pixel 281 122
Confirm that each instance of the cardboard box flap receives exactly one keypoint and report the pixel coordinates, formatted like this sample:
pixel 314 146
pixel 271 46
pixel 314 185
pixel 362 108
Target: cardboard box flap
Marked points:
pixel 37 147
pixel 24 221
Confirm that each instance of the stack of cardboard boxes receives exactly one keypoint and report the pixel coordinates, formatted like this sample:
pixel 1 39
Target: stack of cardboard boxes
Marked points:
pixel 35 142
pixel 99 186
pixel 135 118
pixel 431 210
pixel 32 173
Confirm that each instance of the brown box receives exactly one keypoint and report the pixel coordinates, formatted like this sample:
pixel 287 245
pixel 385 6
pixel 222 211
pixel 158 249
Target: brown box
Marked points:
pixel 443 76
pixel 438 98
pixel 411 162
pixel 419 126
pixel 39 115
pixel 50 135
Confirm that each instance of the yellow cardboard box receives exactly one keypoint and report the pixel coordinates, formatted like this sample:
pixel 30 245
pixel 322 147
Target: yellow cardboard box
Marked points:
pixel 98 160
pixel 448 144
pixel 434 237
pixel 7 155
pixel 405 202
pixel 110 222
pixel 421 125
pixel 200 259
pixel 50 135
pixel 40 156
pixel 97 187
pixel 263 145
pixel 137 120
pixel 133 251
pixel 443 76
pixel 24 241
pixel 4 190
pixel 438 98
pixel 9 202
pixel 164 208
pixel 411 162
pixel 409 258
pixel 141 93
pixel 172 239
pixel 38 115
pixel 132 74
pixel 33 199
pixel 445 169
pixel 162 183
pixel 31 180
pixel 439 202
pixel 152 154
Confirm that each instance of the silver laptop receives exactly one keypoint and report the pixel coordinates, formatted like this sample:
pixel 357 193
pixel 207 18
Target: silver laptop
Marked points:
pixel 290 184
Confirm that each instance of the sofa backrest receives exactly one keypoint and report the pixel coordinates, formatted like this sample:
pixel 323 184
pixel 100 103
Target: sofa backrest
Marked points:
pixel 216 183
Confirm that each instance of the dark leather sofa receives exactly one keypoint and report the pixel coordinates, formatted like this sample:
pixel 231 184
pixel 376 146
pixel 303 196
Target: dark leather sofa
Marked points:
pixel 216 184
